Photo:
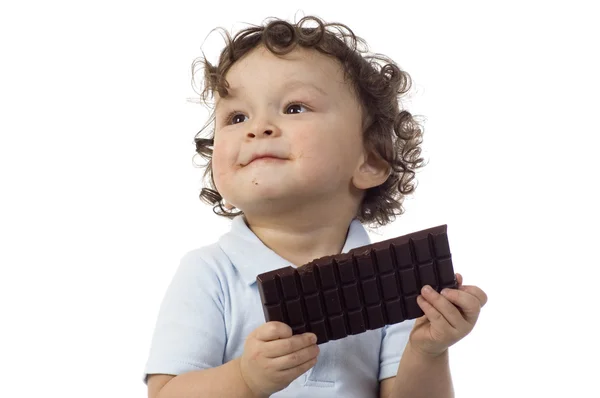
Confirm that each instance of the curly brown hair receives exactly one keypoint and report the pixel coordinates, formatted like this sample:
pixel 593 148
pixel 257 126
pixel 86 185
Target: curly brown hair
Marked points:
pixel 390 133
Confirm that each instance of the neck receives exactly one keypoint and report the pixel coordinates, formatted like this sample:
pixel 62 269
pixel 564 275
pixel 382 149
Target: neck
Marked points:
pixel 301 240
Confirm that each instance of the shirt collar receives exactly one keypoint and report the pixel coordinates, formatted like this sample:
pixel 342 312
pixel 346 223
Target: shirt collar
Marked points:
pixel 251 257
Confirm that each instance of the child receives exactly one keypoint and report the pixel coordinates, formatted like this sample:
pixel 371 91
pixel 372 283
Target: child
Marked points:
pixel 308 143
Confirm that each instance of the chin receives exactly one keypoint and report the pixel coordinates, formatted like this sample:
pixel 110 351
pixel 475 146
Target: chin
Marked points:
pixel 268 203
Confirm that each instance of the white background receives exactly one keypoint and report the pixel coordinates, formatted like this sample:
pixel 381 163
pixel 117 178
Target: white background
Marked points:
pixel 99 193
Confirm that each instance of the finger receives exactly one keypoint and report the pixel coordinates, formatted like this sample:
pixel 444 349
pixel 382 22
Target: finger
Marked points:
pixel 431 313
pixel 443 306
pixel 477 292
pixel 281 347
pixel 421 320
pixel 469 305
pixel 272 331
pixel 294 373
pixel 297 358
pixel 459 279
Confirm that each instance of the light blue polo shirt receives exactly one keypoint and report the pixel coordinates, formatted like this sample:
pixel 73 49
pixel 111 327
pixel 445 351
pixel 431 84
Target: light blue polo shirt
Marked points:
pixel 212 304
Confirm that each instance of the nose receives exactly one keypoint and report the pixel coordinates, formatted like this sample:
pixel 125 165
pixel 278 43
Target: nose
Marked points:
pixel 265 133
pixel 263 129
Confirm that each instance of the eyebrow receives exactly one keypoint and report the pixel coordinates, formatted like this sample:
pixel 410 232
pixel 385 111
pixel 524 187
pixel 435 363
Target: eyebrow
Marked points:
pixel 291 84
pixel 299 83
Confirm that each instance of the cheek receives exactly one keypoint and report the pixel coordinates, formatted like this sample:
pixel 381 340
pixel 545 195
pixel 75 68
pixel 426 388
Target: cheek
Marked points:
pixel 329 152
pixel 221 163
pixel 323 161
pixel 218 162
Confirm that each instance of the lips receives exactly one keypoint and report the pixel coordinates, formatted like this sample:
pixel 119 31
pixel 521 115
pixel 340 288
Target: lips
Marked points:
pixel 264 156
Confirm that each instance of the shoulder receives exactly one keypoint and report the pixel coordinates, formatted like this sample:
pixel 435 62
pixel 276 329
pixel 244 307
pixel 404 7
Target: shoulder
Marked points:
pixel 209 259
pixel 204 270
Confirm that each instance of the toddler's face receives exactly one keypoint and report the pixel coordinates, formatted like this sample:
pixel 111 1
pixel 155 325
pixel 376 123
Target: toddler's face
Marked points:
pixel 288 134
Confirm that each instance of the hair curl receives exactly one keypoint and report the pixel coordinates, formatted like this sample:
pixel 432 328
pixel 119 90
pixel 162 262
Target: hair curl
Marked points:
pixel 390 133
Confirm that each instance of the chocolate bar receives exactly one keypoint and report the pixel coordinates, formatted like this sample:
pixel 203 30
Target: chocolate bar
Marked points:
pixel 365 289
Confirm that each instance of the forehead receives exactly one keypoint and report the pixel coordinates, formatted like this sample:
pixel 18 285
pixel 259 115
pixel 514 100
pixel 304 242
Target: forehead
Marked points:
pixel 261 66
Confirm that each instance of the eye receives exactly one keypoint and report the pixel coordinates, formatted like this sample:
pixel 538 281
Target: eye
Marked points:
pixel 235 117
pixel 295 107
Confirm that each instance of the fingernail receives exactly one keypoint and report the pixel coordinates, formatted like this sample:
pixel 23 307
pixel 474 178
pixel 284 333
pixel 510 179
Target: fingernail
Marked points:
pixel 313 338
pixel 445 292
pixel 428 289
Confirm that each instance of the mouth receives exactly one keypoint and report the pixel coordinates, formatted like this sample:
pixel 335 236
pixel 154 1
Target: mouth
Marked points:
pixel 265 158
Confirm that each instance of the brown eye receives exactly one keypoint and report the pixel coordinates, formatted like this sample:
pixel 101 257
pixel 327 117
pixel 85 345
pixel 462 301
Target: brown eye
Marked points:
pixel 295 108
pixel 237 118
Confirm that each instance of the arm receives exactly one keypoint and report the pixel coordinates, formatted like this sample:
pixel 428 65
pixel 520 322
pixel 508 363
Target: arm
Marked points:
pixel 419 375
pixel 223 381
pixel 189 341
pixel 273 357
pixel 424 369
pixel 190 334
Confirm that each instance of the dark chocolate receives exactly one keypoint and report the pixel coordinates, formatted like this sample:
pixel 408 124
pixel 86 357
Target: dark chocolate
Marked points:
pixel 365 289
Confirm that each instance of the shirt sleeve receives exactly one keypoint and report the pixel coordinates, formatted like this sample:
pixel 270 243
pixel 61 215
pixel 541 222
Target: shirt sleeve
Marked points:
pixel 394 340
pixel 190 330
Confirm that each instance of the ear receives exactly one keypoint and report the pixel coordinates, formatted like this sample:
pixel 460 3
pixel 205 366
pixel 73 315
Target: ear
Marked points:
pixel 372 171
